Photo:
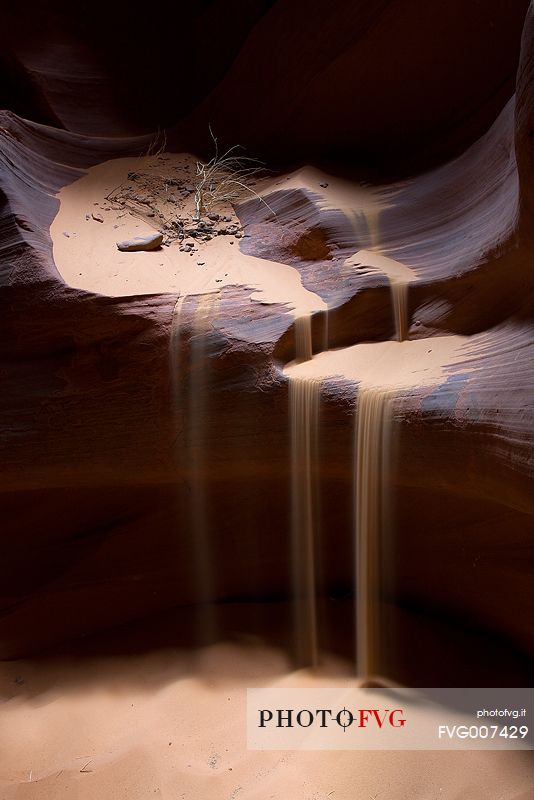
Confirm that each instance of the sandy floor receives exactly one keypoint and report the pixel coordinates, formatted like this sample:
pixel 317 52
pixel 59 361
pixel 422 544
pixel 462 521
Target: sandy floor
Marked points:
pixel 173 726
pixel 388 365
pixel 86 254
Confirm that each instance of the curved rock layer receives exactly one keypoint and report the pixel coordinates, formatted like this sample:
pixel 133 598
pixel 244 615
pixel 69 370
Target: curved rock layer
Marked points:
pixel 132 423
pixel 391 81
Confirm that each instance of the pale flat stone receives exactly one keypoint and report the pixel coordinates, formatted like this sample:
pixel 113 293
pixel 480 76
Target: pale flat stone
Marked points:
pixel 147 241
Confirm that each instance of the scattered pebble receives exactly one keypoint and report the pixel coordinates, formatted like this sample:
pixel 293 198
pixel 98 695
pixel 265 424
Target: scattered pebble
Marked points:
pixel 97 217
pixel 323 185
pixel 66 234
pixel 201 263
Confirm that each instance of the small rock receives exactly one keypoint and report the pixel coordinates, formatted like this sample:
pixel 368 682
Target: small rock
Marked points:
pixel 66 234
pixel 323 185
pixel 87 216
pixel 97 217
pixel 148 241
pixel 201 263
pixel 213 217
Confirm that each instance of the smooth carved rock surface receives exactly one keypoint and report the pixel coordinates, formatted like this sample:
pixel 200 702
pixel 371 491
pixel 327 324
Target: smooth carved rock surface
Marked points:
pixel 100 425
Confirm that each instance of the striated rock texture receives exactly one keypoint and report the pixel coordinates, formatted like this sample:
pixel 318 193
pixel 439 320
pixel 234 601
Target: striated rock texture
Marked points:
pixel 112 435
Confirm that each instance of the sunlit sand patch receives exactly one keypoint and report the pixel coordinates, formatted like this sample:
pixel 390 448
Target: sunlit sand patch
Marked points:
pixel 86 254
pixel 389 365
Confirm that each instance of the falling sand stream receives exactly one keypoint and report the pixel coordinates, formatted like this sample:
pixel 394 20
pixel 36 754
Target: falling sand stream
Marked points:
pixel 191 397
pixel 304 399
pixel 399 300
pixel 372 450
pixel 371 463
pixel 383 372
pixel 196 446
